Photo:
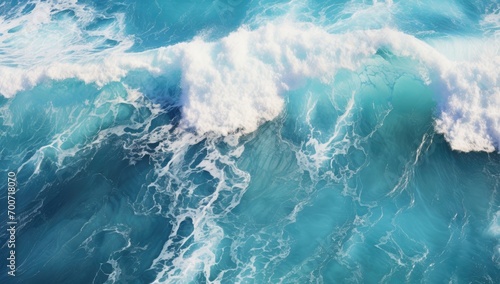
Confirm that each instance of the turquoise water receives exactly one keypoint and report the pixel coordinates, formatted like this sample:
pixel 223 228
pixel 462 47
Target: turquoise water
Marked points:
pixel 236 141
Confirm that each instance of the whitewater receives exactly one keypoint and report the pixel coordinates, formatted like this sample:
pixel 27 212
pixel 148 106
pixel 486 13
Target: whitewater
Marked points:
pixel 234 141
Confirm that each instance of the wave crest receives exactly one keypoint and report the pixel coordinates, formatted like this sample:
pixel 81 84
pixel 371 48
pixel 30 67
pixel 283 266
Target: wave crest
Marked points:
pixel 238 82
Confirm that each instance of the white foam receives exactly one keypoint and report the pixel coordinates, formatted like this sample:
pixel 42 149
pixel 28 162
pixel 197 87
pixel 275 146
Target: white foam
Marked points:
pixel 58 31
pixel 240 81
pixel 226 88
pixel 494 228
pixel 490 21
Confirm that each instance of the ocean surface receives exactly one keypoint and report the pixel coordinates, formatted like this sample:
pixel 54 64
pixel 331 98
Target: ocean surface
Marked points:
pixel 232 141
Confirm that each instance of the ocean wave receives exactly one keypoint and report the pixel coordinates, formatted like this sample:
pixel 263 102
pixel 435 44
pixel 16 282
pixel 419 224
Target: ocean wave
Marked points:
pixel 236 83
pixel 288 150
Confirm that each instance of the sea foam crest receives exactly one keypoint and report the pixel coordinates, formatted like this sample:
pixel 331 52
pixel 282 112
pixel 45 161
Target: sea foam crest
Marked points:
pixel 238 82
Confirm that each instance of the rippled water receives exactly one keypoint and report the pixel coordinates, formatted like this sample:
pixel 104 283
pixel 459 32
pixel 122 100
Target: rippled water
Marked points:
pixel 236 141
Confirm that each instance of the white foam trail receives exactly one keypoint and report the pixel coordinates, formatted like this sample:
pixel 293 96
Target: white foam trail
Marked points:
pixel 182 261
pixel 238 82
pixel 490 22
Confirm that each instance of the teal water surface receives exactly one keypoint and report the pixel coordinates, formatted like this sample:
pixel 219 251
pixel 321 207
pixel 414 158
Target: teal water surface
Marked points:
pixel 235 141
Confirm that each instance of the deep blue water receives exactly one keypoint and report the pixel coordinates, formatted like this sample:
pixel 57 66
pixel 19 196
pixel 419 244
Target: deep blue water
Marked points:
pixel 235 141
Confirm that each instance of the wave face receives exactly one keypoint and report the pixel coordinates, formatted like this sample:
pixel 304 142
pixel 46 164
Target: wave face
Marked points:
pixel 234 141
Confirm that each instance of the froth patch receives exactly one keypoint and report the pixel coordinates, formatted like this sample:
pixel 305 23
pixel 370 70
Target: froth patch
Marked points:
pixel 470 116
pixel 226 89
pixel 58 31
